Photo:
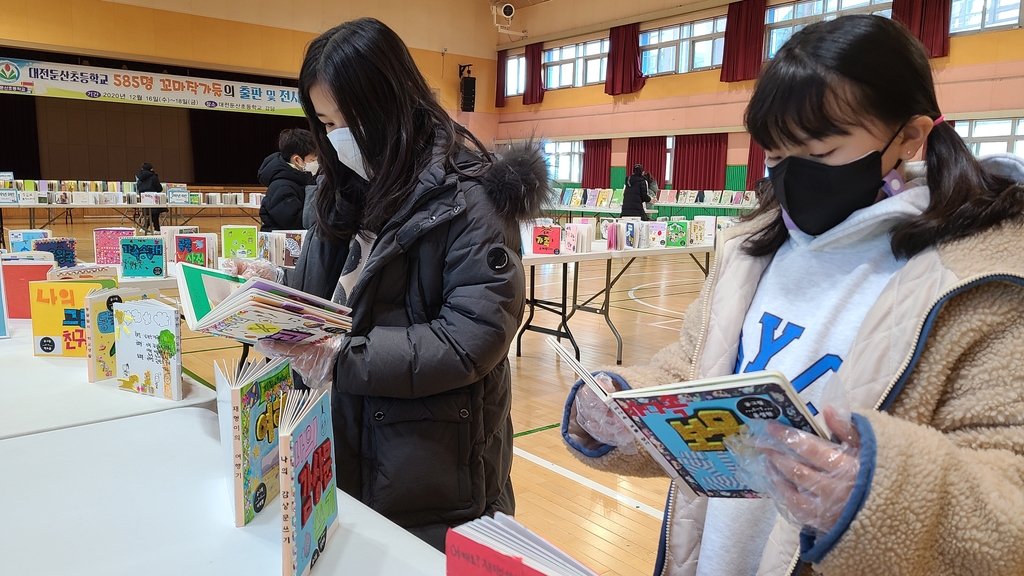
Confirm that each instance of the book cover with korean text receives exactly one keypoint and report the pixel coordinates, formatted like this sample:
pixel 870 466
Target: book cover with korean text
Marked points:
pixel 147 334
pixel 143 257
pixel 58 315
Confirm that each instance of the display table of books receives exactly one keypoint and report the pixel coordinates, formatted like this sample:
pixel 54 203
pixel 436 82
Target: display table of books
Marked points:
pixel 148 495
pixel 570 304
pixel 176 212
pixel 43 393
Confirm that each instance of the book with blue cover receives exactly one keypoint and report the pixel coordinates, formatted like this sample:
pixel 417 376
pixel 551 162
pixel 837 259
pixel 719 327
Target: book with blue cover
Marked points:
pixel 684 425
pixel 63 250
pixel 143 257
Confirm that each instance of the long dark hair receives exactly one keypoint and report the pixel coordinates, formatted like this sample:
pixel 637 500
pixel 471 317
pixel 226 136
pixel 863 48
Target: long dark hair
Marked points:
pixel 394 118
pixel 851 71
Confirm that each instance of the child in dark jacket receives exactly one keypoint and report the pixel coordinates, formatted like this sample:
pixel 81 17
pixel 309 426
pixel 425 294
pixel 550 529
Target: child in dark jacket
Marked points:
pixel 286 174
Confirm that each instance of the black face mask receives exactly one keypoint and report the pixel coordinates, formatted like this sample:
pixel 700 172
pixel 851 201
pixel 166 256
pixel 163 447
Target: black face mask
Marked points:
pixel 818 197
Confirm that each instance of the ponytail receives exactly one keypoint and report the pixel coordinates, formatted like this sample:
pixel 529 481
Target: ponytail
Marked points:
pixel 965 197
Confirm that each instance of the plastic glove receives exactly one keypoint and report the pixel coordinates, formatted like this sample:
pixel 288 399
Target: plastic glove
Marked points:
pixel 314 362
pixel 598 419
pixel 809 479
pixel 246 268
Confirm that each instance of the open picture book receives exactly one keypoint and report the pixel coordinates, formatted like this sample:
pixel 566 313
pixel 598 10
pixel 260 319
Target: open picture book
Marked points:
pixel 684 425
pixel 251 310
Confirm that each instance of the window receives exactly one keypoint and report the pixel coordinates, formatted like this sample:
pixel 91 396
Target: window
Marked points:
pixel 784 20
pixel 974 15
pixel 683 47
pixel 515 75
pixel 993 136
pixel 576 65
pixel 565 161
pixel 670 143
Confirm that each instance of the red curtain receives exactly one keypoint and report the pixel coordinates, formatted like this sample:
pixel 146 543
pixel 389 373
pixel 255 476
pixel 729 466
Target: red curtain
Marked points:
pixel 928 21
pixel 755 164
pixel 744 41
pixel 499 84
pixel 649 152
pixel 597 164
pixel 534 93
pixel 700 162
pixel 624 74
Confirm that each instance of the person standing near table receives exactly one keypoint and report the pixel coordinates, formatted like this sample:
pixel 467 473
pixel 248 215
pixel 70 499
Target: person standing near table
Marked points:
pixel 286 174
pixel 146 180
pixel 636 194
pixel 417 230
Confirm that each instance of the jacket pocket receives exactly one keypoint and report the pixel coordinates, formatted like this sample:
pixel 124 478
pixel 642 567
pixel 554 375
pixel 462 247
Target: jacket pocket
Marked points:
pixel 420 461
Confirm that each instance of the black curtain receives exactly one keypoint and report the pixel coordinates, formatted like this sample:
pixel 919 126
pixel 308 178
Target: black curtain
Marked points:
pixel 229 147
pixel 19 146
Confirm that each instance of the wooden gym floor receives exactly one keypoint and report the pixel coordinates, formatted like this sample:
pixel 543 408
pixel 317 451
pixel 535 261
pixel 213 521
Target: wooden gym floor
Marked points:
pixel 608 522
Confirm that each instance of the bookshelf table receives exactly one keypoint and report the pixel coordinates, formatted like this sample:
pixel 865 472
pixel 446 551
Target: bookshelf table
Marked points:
pixel 176 212
pixel 49 393
pixel 702 209
pixel 570 211
pixel 569 305
pixel 148 495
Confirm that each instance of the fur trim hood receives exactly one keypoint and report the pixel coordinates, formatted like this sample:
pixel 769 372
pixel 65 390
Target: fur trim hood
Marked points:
pixel 517 182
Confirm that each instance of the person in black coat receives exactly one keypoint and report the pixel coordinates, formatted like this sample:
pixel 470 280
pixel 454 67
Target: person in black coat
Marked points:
pixel 636 194
pixel 286 174
pixel 146 180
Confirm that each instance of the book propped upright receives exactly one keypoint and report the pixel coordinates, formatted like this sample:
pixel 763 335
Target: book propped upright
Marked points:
pixel 148 337
pixel 249 402
pixel 100 348
pixel 16 278
pixel 5 332
pixel 506 547
pixel 223 305
pixel 684 425
pixel 309 495
pixel 58 315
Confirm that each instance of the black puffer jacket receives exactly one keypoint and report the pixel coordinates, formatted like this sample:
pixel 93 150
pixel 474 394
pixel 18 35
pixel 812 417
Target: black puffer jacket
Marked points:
pixel 148 181
pixel 422 386
pixel 286 194
pixel 634 196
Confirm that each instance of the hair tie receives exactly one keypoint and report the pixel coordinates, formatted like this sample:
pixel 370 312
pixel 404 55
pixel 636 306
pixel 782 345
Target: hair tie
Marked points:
pixel 939 120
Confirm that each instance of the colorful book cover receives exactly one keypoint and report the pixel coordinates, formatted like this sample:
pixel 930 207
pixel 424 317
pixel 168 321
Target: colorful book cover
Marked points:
pixel 556 196
pixel 697 233
pixel 148 339
pixel 749 198
pixel 169 232
pixel 616 201
pixel 567 196
pixel 21 240
pixel 737 198
pixel 577 197
pixel 192 248
pixel 547 239
pixel 293 240
pixel 571 238
pixel 58 316
pixel 16 278
pixel 309 498
pixel 658 232
pixel 100 348
pixel 239 241
pixel 63 250
pixel 249 402
pixel 83 273
pixel 631 235
pixel 270 246
pixel 143 257
pixel 107 242
pixel 177 195
pixel 5 332
pixel 592 194
pixel 677 233
pixel 8 196
pixel 710 227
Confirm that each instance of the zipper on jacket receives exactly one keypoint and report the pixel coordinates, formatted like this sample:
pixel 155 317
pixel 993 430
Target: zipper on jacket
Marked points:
pixel 705 311
pixel 794 565
pixel 668 525
pixel 921 324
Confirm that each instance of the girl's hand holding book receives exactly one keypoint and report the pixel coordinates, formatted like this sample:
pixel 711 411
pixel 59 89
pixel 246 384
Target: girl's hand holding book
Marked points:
pixel 314 362
pixel 598 420
pixel 809 479
pixel 248 268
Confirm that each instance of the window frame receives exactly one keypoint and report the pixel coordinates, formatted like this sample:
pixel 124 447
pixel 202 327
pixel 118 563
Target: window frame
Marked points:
pixel 1019 23
pixel 578 63
pixel 717 22
pixel 873 7
pixel 554 159
pixel 1012 140
pixel 520 60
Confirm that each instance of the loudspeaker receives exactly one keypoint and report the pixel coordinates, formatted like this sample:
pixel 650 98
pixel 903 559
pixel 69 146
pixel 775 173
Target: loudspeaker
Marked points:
pixel 468 86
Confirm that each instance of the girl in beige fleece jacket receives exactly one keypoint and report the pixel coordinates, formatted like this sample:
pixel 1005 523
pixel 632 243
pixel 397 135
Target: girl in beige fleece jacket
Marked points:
pixel 900 286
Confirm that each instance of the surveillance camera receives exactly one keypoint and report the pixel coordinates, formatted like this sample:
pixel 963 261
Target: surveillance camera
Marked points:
pixel 508 10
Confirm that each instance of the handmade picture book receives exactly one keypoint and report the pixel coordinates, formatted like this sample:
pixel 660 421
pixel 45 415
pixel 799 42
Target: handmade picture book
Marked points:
pixel 684 425
pixel 547 240
pixel 697 233
pixel 592 197
pixel 249 311
pixel 30 255
pixel 108 243
pixel 749 198
pixel 577 197
pixel 293 240
pixel 632 233
pixel 271 246
pixel 566 196
pixel 710 226
pixel 658 232
pixel 676 233
pixel 16 278
pixel 604 196
pixel 82 273
pixel 169 232
pixel 569 243
pixel 238 241
pixel 309 496
pixel 63 250
pixel 616 201
pixel 58 315
pixel 21 240
pixel 198 249
pixel 143 257
pixel 177 195
pixel 100 349
pixel 249 401
pixel 505 547
pixel 5 331
pixel 147 334
pixel 737 198
pixel 8 196
pixel 667 197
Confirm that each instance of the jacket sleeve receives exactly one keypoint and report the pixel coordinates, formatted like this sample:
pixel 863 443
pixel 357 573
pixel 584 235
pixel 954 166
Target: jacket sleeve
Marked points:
pixel 671 364
pixel 943 493
pixel 483 306
pixel 285 204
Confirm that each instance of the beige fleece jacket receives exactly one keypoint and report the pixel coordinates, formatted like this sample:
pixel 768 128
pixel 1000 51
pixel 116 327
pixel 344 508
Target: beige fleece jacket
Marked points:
pixel 944 344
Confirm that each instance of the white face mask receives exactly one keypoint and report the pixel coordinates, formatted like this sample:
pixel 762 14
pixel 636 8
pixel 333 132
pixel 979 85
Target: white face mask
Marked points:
pixel 311 167
pixel 348 150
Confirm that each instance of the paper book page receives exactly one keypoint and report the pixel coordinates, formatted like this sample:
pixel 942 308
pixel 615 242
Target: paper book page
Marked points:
pixel 149 348
pixel 201 289
pixel 58 316
pixel 510 523
pixel 260 411
pixel 535 551
pixel 292 294
pixel 229 439
pixel 252 322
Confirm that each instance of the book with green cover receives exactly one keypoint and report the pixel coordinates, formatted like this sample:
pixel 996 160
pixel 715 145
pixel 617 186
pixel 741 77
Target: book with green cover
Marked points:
pixel 616 201
pixel 238 241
